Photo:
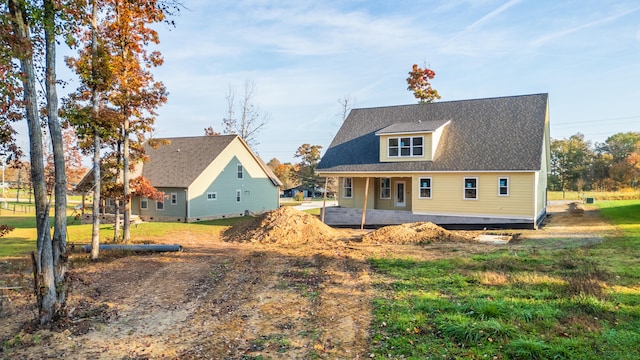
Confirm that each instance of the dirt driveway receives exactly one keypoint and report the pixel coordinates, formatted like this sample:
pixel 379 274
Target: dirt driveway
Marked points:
pixel 227 300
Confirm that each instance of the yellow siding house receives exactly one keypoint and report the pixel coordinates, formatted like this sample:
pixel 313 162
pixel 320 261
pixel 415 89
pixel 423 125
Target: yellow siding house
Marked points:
pixel 479 163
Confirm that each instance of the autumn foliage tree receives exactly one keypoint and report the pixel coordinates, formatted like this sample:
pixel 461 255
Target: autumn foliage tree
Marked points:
pixel 419 84
pixel 136 93
pixel 28 39
pixel 116 68
pixel 287 172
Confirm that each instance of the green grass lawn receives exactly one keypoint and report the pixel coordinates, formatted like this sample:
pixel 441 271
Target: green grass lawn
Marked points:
pixel 564 304
pixel 21 241
pixel 572 303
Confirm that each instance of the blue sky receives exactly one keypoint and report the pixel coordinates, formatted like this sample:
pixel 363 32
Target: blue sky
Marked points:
pixel 305 55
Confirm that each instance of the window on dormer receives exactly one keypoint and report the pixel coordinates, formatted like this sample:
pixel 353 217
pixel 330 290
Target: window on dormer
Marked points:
pixel 405 146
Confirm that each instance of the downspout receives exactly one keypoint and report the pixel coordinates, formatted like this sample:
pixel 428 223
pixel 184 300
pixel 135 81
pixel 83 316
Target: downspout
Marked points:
pixel 186 205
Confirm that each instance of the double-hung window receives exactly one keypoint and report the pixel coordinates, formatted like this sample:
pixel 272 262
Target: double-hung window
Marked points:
pixel 470 188
pixel 347 187
pixel 385 188
pixel 144 203
pixel 425 188
pixel 160 205
pixel 174 198
pixel 405 146
pixel 503 186
pixel 240 171
pixel 238 195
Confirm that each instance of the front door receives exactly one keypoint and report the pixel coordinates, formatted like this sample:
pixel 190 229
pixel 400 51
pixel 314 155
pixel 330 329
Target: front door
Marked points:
pixel 400 194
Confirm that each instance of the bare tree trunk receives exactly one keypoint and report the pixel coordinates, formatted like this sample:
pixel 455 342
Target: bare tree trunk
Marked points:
pixel 126 234
pixel 60 217
pixel 116 212
pixel 44 257
pixel 95 107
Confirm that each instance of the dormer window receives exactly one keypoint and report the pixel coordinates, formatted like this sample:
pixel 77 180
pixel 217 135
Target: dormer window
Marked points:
pixel 405 146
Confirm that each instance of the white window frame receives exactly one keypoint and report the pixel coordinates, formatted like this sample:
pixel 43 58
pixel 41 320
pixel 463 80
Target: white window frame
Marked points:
pixel 212 196
pixel 174 198
pixel 464 188
pixel 238 196
pixel 160 205
pixel 346 187
pixel 500 186
pixel 385 191
pixel 410 147
pixel 240 171
pixel 144 203
pixel 420 187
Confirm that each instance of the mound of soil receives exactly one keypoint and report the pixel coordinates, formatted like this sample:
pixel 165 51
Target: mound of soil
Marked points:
pixel 576 208
pixel 420 232
pixel 283 226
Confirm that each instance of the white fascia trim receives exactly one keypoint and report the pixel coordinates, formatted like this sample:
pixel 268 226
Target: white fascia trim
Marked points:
pixel 392 173
pixel 405 133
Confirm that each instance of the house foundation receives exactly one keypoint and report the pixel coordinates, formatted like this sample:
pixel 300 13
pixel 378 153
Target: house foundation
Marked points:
pixel 352 217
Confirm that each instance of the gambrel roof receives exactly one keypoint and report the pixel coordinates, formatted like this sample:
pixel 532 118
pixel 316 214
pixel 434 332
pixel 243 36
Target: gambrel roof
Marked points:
pixel 493 134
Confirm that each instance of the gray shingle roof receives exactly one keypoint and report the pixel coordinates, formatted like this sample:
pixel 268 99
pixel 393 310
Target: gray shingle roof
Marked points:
pixel 494 134
pixel 417 126
pixel 180 162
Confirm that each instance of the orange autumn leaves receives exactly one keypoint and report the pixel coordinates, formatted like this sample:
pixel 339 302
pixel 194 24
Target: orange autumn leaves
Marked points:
pixel 418 81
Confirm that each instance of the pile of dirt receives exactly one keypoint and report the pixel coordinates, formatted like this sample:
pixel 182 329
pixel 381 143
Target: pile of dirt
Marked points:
pixel 413 233
pixel 283 226
pixel 576 208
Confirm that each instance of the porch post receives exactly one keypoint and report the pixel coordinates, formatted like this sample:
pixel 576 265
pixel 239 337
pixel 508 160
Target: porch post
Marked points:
pixel 324 198
pixel 364 208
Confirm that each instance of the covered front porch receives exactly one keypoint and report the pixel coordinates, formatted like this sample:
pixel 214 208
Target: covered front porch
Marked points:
pixel 382 193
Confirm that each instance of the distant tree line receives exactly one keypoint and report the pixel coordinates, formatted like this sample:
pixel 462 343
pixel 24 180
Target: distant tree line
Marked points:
pixel 579 165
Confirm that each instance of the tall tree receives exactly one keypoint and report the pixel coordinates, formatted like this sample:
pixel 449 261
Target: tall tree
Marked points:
pixel 136 94
pixel 85 108
pixel 251 118
pixel 49 259
pixel 287 172
pixel 570 162
pixel 309 158
pixel 59 244
pixel 621 145
pixel 419 84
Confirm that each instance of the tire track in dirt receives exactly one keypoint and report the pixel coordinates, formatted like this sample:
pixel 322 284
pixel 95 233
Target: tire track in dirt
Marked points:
pixel 248 310
pixel 344 308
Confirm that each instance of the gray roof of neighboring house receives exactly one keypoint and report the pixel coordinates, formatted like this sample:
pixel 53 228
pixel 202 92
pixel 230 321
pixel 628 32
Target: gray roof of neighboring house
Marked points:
pixel 180 162
pixel 494 134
